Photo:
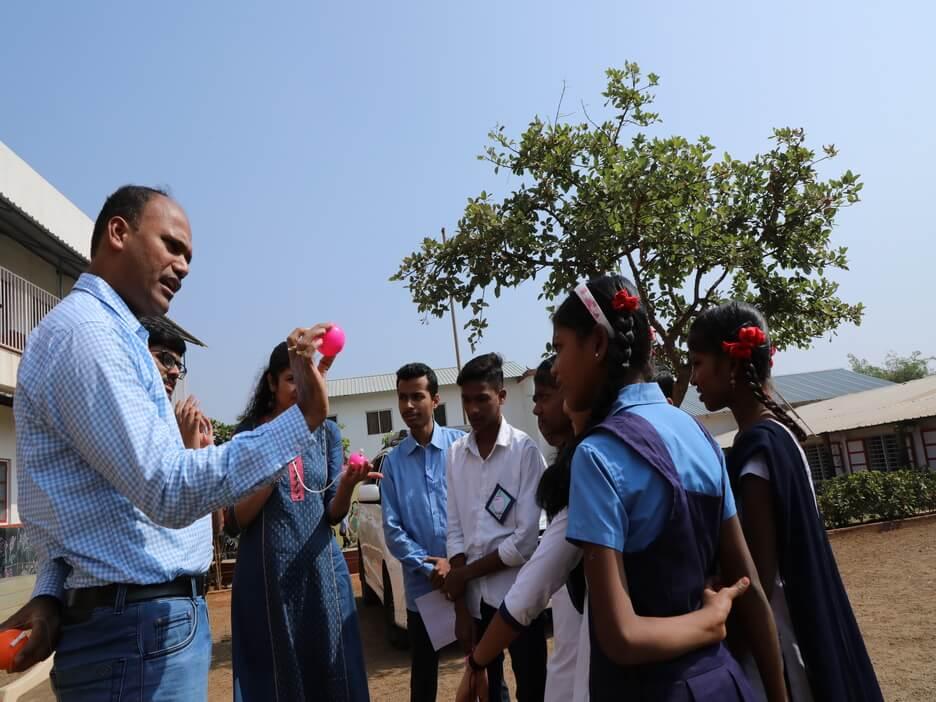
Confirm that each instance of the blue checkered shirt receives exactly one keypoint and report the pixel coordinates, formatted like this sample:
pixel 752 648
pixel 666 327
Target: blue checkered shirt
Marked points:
pixel 107 491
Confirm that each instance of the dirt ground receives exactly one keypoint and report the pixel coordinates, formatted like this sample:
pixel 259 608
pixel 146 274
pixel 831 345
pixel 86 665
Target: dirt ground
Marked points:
pixel 890 575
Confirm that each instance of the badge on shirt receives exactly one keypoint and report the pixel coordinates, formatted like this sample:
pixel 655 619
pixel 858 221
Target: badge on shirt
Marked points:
pixel 296 493
pixel 499 504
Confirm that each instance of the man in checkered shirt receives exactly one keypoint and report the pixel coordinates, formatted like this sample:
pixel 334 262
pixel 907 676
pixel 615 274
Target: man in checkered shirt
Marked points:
pixel 115 506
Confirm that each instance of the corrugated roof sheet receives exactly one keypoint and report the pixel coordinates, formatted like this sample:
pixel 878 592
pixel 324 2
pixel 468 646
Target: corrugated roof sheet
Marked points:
pixel 800 388
pixel 871 408
pixel 386 382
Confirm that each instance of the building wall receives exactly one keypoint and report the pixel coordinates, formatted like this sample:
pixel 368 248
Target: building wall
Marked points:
pixel 8 453
pixel 21 261
pixel 718 422
pixel 352 411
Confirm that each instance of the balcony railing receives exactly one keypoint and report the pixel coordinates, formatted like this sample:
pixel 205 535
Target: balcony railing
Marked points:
pixel 22 306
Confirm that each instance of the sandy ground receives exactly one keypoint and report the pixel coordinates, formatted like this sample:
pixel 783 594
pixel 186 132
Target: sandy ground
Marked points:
pixel 890 575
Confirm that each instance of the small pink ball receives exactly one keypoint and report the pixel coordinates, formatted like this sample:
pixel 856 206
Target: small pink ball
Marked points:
pixel 332 342
pixel 357 459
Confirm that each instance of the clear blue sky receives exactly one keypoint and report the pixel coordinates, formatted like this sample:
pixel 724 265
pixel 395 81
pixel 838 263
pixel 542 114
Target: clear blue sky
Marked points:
pixel 315 144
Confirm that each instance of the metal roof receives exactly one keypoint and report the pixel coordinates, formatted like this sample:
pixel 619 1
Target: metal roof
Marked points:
pixel 802 388
pixel 884 405
pixel 386 382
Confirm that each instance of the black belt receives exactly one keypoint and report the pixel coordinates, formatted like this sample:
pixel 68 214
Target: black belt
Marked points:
pixel 88 598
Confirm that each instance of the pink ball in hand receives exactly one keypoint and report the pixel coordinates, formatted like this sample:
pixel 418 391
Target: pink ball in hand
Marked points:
pixel 357 460
pixel 332 342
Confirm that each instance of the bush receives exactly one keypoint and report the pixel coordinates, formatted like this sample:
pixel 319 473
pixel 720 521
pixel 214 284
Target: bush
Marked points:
pixel 873 495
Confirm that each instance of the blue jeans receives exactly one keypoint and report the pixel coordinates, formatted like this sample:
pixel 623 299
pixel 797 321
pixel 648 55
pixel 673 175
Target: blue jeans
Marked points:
pixel 155 651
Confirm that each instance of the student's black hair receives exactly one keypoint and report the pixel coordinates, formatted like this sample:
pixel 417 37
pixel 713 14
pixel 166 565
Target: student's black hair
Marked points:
pixel 488 368
pixel 628 357
pixel 128 201
pixel 413 371
pixel 666 382
pixel 160 335
pixel 261 402
pixel 717 325
pixel 543 375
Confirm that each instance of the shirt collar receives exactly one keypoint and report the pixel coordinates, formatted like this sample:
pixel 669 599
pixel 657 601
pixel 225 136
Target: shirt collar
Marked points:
pixel 503 438
pixel 409 444
pixel 637 394
pixel 101 289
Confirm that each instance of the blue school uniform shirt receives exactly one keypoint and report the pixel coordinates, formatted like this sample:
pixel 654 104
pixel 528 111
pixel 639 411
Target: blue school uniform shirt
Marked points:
pixel 617 499
pixel 413 503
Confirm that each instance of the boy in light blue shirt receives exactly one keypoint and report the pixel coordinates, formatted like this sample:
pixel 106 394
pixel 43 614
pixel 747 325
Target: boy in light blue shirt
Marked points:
pixel 413 502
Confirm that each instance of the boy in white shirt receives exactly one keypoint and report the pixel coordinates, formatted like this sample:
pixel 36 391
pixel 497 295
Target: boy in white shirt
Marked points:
pixel 493 523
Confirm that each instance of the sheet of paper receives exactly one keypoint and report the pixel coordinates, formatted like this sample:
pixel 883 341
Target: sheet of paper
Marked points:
pixel 438 614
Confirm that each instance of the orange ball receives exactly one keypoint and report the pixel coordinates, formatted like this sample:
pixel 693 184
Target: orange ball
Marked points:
pixel 11 642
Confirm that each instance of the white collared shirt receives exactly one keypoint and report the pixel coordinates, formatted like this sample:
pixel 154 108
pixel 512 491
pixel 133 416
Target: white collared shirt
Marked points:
pixel 516 465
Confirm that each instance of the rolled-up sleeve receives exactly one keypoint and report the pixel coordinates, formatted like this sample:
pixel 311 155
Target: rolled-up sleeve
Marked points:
pixel 542 576
pixel 517 548
pixel 50 577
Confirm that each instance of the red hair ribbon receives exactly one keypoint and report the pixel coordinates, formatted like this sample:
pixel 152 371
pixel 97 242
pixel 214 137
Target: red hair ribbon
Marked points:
pixel 749 338
pixel 623 301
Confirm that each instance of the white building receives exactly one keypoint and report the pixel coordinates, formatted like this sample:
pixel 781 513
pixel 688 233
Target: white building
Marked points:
pixel 366 407
pixel 884 428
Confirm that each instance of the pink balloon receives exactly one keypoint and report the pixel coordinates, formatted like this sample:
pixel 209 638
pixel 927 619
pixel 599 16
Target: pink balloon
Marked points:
pixel 357 459
pixel 332 342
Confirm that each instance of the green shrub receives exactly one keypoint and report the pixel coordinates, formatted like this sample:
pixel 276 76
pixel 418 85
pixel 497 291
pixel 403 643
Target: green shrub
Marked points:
pixel 873 495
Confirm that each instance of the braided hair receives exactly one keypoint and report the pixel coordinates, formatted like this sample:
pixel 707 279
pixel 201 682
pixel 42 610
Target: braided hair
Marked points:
pixel 628 355
pixel 717 329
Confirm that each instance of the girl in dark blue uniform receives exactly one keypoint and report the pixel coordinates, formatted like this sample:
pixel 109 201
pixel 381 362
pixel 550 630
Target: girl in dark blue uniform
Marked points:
pixel 650 505
pixel 823 651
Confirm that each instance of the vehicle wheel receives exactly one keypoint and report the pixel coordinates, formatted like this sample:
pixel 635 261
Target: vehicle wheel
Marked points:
pixel 368 596
pixel 397 638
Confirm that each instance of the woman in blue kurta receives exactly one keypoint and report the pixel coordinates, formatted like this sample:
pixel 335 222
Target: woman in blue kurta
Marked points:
pixel 293 618
pixel 823 652
pixel 650 505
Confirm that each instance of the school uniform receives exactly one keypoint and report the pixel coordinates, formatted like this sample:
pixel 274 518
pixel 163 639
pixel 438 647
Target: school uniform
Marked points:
pixel 492 505
pixel 540 580
pixel 820 639
pixel 650 483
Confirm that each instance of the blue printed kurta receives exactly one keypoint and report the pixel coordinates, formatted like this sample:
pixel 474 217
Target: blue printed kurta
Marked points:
pixel 293 619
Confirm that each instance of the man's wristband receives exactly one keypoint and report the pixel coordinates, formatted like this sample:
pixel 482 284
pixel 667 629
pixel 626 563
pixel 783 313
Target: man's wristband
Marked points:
pixel 473 664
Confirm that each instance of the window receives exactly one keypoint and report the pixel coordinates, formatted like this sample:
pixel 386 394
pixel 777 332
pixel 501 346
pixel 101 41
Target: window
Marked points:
pixel 4 491
pixel 439 416
pixel 379 422
pixel 821 463
pixel 883 453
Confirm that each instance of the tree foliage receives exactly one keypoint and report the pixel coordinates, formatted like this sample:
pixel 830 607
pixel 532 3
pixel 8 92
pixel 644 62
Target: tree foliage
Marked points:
pixel 222 432
pixel 897 369
pixel 689 229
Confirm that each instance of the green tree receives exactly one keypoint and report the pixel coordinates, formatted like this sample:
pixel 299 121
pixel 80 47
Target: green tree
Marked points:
pixel 689 230
pixel 222 432
pixel 897 369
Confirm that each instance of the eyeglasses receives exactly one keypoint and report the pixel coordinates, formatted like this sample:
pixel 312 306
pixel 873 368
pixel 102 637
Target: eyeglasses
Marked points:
pixel 169 362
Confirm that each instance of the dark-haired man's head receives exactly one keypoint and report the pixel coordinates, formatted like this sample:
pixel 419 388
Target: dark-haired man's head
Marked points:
pixel 418 396
pixel 666 383
pixel 482 389
pixel 168 350
pixel 553 423
pixel 141 246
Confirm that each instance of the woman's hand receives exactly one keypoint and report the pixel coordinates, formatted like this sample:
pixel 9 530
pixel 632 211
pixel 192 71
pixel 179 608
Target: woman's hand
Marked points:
pixel 354 474
pixel 190 420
